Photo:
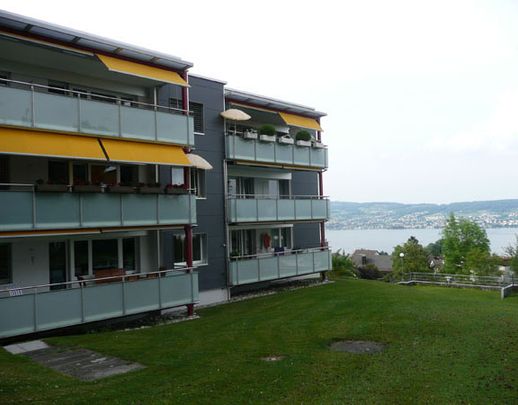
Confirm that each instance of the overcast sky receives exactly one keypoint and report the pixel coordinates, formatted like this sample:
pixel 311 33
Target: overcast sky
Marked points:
pixel 422 96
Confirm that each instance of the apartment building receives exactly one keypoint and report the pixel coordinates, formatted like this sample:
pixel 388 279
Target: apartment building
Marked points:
pixel 125 190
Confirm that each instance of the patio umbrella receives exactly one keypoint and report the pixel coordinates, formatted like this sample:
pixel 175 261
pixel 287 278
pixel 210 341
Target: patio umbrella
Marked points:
pixel 235 115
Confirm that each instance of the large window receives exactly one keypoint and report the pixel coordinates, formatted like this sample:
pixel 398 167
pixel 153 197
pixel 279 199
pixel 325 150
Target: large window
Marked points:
pixel 197 114
pixel 105 254
pixel 129 175
pixel 199 249
pixel 81 258
pixel 129 258
pixel 198 182
pixel 58 172
pixel 245 242
pixel 177 178
pixel 5 263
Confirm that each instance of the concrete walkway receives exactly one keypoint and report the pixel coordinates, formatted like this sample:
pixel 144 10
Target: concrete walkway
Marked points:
pixel 83 364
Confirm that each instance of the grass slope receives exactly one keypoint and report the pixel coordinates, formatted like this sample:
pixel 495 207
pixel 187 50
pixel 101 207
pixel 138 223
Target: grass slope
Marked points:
pixel 445 346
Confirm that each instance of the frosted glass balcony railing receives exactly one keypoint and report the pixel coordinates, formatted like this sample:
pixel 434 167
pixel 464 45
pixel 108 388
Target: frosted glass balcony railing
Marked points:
pixel 253 208
pixel 252 269
pixel 29 210
pixel 38 308
pixel 255 150
pixel 33 106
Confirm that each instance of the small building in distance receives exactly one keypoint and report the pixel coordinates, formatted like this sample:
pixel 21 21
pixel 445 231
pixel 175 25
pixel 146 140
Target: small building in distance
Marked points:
pixel 363 257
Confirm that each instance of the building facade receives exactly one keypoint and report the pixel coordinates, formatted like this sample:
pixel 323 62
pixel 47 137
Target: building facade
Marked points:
pixel 124 190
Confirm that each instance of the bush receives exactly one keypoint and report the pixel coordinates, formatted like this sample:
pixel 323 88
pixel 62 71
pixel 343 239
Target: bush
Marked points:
pixel 303 136
pixel 369 272
pixel 267 130
pixel 343 266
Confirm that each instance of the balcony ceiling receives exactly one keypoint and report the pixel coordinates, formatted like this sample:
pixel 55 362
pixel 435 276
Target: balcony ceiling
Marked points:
pixel 25 25
pixel 56 59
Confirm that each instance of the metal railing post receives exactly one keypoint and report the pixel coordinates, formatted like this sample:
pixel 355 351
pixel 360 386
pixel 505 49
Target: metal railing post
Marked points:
pixel 82 302
pixel 33 114
pixel 35 308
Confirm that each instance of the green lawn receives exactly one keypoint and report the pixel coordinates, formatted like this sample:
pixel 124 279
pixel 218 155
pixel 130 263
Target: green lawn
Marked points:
pixel 444 346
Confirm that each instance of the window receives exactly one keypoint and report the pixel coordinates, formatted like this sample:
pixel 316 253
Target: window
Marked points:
pixel 129 258
pixel 199 249
pixel 107 98
pixel 129 175
pixel 80 173
pixel 81 258
pixel 242 242
pixel 56 87
pixel 58 172
pixel 98 175
pixel 105 254
pixel 177 176
pixel 198 182
pixel 197 114
pixel 5 263
pixel 4 171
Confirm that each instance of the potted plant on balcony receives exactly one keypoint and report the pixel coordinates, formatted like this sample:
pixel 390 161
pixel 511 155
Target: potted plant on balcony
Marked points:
pixel 303 138
pixel 317 144
pixel 267 133
pixel 122 188
pixel 150 188
pixel 50 187
pixel 286 139
pixel 175 189
pixel 87 187
pixel 250 133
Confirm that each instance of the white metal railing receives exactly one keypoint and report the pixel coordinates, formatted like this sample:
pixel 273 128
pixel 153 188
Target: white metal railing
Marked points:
pixel 278 196
pixel 77 211
pixel 277 155
pixel 458 279
pixel 248 269
pixel 95 96
pixel 285 252
pixel 41 307
pixel 89 282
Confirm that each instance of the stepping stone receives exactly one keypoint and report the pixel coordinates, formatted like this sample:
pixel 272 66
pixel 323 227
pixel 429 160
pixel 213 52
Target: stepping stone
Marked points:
pixel 83 364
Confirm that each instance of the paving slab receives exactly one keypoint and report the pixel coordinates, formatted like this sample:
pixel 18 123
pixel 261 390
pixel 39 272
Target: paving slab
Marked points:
pixel 83 364
pixel 19 348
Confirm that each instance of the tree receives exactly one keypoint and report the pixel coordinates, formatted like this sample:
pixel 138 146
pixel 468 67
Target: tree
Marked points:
pixel 466 247
pixel 435 248
pixel 415 257
pixel 512 252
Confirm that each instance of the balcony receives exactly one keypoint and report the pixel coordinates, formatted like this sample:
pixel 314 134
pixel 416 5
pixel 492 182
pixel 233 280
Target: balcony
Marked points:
pixel 255 150
pixel 31 106
pixel 30 210
pixel 38 308
pixel 269 209
pixel 252 269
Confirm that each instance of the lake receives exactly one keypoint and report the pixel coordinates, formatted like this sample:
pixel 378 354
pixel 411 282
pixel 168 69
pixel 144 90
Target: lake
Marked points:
pixel 386 239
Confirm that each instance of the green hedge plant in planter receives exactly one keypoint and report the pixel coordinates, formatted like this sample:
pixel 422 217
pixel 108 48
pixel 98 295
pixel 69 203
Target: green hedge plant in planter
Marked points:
pixel 303 138
pixel 267 133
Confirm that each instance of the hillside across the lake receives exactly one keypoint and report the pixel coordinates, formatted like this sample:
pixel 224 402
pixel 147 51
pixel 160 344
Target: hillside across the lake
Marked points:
pixel 381 215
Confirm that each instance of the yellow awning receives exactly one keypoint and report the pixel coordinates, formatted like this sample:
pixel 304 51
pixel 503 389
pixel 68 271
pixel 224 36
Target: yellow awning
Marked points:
pixel 145 153
pixel 38 143
pixel 140 70
pixel 300 121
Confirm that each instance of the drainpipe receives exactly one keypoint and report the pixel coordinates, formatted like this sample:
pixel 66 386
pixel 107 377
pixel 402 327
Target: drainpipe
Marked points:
pixel 187 186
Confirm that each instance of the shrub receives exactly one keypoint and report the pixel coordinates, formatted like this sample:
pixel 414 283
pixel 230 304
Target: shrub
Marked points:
pixel 369 272
pixel 343 265
pixel 267 130
pixel 303 136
